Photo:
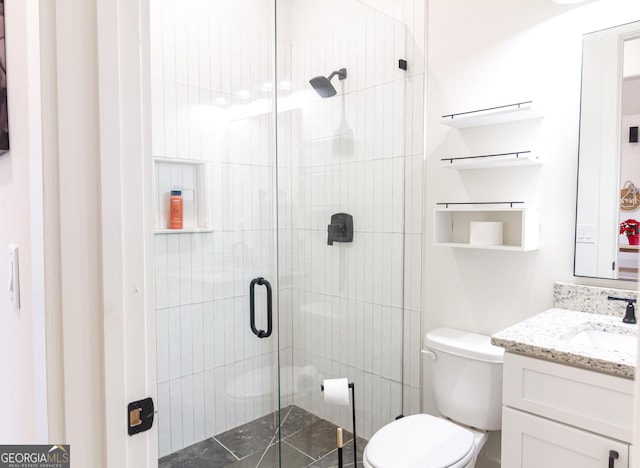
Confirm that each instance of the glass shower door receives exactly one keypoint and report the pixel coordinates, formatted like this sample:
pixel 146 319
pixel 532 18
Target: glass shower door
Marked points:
pixel 341 219
pixel 213 143
pixel 289 267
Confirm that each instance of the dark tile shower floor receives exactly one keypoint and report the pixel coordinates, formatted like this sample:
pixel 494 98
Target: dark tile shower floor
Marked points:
pixel 307 440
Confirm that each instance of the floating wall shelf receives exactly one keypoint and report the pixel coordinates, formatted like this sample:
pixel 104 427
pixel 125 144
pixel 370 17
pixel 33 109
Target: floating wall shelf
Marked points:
pixel 189 176
pixel 520 225
pixel 493 115
pixel 520 158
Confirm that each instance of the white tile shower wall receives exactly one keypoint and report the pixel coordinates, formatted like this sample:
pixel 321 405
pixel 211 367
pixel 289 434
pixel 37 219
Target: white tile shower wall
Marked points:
pixel 199 113
pixel 361 152
pixel 209 105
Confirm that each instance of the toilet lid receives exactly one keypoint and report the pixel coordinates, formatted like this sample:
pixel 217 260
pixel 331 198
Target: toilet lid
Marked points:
pixel 418 441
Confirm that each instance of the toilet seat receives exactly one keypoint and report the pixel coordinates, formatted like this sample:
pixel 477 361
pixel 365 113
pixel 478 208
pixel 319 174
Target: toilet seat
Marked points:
pixel 420 441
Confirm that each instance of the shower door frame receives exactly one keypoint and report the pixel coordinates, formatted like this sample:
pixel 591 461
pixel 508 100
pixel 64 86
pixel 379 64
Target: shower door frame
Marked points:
pixel 123 51
pixel 123 47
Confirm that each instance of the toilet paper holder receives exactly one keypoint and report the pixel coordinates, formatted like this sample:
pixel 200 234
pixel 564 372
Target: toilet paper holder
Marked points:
pixel 353 413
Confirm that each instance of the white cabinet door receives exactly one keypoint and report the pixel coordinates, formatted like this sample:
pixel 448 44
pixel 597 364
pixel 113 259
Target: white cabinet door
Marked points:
pixel 533 442
pixel 566 394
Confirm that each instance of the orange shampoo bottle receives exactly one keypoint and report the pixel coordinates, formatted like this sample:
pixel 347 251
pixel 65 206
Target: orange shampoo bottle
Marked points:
pixel 175 209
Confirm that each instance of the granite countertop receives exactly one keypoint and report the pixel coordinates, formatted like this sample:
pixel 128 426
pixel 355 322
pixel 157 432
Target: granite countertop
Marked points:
pixel 546 336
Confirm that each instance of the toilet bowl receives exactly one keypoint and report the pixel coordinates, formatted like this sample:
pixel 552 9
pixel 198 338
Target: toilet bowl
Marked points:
pixel 409 442
pixel 467 385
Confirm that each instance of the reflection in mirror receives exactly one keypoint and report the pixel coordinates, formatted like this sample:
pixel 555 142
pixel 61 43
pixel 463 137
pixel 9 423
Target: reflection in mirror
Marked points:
pixel 609 164
pixel 629 162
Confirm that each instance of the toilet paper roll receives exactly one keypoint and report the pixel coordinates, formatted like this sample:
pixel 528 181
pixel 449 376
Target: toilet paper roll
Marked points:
pixel 336 391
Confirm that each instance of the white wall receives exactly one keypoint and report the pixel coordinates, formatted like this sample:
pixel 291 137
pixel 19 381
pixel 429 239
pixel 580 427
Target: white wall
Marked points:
pixel 22 365
pixel 479 58
pixel 490 53
pixel 76 152
pixel 631 65
pixel 52 60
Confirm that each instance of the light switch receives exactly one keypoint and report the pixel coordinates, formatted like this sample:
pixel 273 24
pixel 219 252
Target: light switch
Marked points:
pixel 586 233
pixel 14 276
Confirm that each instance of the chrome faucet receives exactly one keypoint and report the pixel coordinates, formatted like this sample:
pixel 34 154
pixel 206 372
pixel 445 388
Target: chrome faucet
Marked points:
pixel 630 314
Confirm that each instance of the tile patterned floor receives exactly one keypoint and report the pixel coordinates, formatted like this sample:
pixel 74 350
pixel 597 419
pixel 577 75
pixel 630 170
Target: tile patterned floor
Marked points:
pixel 307 441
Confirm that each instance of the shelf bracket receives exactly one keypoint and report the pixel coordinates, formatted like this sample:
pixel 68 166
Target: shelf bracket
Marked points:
pixel 510 203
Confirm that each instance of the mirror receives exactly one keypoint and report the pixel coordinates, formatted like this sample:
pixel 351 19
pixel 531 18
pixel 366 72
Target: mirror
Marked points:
pixel 609 160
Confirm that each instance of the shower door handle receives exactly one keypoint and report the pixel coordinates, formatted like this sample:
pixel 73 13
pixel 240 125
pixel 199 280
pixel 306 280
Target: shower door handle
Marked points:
pixel 252 307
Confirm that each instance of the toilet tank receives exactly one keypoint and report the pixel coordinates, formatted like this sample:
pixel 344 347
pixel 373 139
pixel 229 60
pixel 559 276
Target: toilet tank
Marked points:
pixel 466 377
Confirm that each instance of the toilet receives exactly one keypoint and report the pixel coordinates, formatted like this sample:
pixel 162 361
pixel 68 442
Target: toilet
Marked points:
pixel 466 380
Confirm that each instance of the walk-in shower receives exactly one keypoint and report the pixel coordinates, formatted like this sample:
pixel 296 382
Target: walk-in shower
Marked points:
pixel 263 163
pixel 323 85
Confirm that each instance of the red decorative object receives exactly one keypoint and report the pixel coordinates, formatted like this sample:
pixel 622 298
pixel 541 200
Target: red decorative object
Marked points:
pixel 630 227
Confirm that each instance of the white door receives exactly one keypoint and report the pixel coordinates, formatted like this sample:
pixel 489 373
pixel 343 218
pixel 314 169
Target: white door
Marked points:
pixel 533 442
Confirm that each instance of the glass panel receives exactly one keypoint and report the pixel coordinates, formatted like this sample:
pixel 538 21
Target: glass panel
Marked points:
pixel 341 305
pixel 212 70
pixel 258 194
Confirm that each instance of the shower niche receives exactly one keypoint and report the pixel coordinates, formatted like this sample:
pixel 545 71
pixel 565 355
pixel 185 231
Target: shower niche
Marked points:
pixel 190 178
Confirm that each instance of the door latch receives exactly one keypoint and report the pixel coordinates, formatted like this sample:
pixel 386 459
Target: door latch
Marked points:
pixel 140 416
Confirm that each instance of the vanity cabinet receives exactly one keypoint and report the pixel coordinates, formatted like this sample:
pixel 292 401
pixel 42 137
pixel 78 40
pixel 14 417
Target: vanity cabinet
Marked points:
pixel 559 416
pixel 530 441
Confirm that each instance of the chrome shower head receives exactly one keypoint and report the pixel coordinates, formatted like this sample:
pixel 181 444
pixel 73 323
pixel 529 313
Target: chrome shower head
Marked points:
pixel 323 85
